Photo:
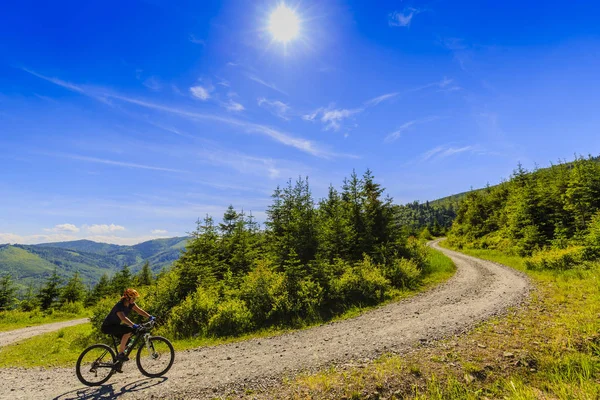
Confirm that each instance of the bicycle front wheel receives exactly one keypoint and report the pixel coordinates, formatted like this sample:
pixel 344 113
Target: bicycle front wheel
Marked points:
pixel 95 365
pixel 155 357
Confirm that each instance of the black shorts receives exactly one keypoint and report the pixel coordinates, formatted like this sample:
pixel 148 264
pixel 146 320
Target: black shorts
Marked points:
pixel 116 330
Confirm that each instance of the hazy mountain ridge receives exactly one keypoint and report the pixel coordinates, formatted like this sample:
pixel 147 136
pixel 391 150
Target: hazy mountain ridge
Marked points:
pixel 33 263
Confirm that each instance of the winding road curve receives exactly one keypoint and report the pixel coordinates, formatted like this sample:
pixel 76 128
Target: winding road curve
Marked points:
pixel 479 289
pixel 17 335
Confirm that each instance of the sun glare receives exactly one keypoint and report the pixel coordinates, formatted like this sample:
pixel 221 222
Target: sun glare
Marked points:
pixel 284 24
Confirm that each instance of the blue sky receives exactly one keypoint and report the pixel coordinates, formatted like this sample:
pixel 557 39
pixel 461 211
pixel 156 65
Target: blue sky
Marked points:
pixel 126 121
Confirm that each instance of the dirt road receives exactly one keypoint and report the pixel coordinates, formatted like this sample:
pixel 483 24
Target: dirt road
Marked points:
pixel 16 335
pixel 479 290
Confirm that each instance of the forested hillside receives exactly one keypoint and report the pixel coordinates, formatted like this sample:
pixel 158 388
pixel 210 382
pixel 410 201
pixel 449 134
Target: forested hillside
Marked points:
pixel 313 260
pixel 33 264
pixel 431 218
pixel 554 209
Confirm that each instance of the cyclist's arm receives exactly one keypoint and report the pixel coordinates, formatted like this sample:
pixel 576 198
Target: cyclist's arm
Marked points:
pixel 140 311
pixel 124 319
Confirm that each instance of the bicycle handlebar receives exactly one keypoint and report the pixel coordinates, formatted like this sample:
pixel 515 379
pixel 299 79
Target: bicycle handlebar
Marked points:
pixel 146 326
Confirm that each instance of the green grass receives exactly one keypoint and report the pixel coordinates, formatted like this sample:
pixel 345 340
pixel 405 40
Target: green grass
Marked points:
pixel 14 319
pixel 61 349
pixel 554 346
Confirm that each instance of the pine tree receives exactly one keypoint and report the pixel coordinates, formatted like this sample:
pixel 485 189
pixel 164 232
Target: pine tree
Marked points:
pixel 351 196
pixel 102 289
pixel 144 277
pixel 73 291
pixel 30 301
pixel 582 197
pixel 50 292
pixel 199 264
pixel 333 229
pixel 121 280
pixel 7 292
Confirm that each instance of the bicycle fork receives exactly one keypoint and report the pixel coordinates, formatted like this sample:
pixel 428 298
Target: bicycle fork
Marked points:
pixel 150 347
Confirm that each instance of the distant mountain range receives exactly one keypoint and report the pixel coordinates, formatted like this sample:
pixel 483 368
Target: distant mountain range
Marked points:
pixel 32 264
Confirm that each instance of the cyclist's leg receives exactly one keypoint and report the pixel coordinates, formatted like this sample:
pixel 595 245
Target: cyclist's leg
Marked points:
pixel 121 331
pixel 124 340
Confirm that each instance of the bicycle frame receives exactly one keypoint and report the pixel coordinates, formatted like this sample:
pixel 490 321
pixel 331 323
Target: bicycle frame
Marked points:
pixel 133 342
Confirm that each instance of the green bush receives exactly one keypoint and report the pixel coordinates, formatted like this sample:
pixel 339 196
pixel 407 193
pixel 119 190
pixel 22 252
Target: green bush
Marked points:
pixel 417 252
pixel 309 299
pixel 362 284
pixel 425 234
pixel 99 312
pixel 72 308
pixel 593 237
pixel 556 259
pixel 162 296
pixel 232 318
pixel 264 292
pixel 191 317
pixel 403 273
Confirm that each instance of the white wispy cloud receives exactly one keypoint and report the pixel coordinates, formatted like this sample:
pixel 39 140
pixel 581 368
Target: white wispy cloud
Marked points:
pixel 379 99
pixel 158 232
pixel 195 40
pixel 396 134
pixel 63 228
pixel 240 162
pixel 111 162
pixel 256 79
pixel 331 117
pixel 444 151
pixel 275 107
pixel 56 81
pixel 14 238
pixel 403 18
pixel 233 106
pixel 99 229
pixel 200 92
pixel 153 83
pixel 281 137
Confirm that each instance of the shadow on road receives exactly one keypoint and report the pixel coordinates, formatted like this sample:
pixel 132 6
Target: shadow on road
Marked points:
pixel 109 391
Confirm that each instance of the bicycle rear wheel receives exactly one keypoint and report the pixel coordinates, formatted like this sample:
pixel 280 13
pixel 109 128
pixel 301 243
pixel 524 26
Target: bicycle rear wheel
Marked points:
pixel 156 358
pixel 95 365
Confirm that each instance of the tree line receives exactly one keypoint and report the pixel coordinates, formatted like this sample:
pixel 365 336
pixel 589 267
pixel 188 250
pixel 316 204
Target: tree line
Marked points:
pixel 57 292
pixel 310 261
pixel 551 215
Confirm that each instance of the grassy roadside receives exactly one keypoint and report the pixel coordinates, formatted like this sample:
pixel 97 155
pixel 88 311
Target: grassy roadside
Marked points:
pixel 14 319
pixel 549 349
pixel 61 348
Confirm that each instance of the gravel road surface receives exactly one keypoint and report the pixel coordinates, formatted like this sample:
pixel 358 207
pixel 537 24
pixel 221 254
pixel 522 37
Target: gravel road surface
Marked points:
pixel 16 335
pixel 479 290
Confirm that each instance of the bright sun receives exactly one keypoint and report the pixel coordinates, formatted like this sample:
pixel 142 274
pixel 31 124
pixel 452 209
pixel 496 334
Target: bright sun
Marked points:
pixel 284 24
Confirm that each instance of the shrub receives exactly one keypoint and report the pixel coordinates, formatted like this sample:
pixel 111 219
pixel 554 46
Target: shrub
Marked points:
pixel 232 318
pixel 162 296
pixel 99 312
pixel 191 317
pixel 403 273
pixel 363 283
pixel 593 237
pixel 264 292
pixel 309 299
pixel 72 308
pixel 425 234
pixel 556 259
pixel 417 252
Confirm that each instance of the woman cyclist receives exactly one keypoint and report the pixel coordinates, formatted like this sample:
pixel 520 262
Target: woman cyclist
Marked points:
pixel 117 322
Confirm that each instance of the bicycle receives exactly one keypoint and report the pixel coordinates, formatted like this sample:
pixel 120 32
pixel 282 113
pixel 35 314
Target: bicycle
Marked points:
pixel 98 362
